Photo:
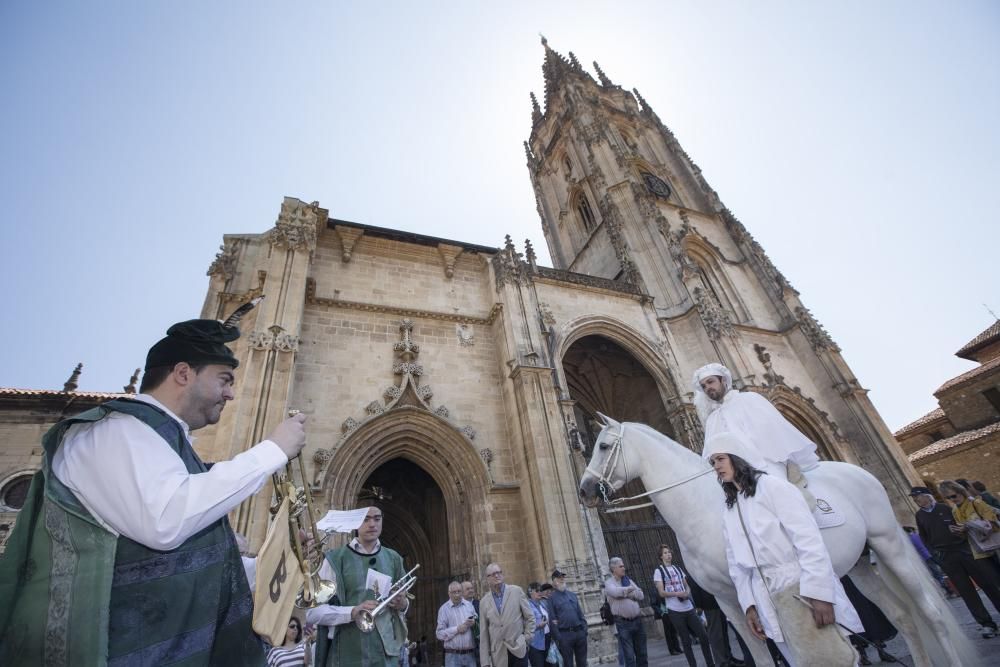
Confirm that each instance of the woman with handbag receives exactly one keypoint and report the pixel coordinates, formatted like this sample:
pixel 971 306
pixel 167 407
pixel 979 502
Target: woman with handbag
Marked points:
pixel 976 519
pixel 778 561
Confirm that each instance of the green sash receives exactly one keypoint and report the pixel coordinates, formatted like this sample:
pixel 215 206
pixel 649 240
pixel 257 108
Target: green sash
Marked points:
pixel 73 589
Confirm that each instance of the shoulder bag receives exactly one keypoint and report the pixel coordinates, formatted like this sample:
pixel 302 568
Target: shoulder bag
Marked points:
pixel 811 646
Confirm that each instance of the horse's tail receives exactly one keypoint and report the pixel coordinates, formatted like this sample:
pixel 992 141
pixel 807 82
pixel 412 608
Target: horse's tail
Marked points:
pixel 929 635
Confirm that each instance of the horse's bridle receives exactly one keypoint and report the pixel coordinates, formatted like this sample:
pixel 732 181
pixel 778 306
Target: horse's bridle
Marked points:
pixel 606 489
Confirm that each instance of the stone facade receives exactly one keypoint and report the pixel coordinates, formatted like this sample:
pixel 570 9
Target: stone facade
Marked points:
pixel 25 416
pixel 457 385
pixel 961 438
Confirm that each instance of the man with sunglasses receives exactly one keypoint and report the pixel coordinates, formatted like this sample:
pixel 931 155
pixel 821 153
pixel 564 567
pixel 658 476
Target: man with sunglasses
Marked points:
pixel 950 546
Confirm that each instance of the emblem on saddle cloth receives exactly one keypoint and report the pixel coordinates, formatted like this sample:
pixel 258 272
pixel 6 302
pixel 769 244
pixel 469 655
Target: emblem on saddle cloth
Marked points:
pixel 826 515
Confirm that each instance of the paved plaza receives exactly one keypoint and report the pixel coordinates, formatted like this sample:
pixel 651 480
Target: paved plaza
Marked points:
pixel 658 655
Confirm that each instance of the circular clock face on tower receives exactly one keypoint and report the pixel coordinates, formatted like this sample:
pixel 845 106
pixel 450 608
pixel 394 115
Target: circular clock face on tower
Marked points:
pixel 656 185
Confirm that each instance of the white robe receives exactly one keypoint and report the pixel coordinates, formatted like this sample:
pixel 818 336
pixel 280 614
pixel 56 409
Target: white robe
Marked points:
pixel 789 549
pixel 754 418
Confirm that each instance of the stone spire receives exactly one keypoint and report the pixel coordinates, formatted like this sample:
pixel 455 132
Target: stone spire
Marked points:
pixel 555 70
pixel 573 61
pixel 642 101
pixel 71 383
pixel 532 160
pixel 130 387
pixel 536 111
pixel 605 81
pixel 529 253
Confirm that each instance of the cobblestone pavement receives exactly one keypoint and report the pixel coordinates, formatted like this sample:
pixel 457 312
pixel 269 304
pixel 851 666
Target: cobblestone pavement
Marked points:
pixel 989 649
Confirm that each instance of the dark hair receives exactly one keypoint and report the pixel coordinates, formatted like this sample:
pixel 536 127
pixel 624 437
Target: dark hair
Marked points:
pixel 964 482
pixel 534 587
pixel 659 552
pixel 979 486
pixel 745 475
pixel 298 628
pixel 157 375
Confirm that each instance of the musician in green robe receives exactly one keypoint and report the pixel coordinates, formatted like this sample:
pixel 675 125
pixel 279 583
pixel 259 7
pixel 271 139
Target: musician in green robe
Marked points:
pixel 356 568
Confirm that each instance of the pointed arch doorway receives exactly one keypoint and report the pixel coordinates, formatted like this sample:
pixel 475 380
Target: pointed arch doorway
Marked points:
pixel 604 377
pixel 431 485
pixel 416 526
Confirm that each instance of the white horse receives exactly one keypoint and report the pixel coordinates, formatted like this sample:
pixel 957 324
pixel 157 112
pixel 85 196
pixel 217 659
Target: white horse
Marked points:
pixel 689 497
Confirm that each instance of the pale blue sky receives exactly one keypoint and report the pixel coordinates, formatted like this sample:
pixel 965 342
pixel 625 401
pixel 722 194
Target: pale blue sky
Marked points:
pixel 856 140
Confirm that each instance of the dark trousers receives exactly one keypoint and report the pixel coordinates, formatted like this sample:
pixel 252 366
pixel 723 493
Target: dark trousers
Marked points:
pixel 718 635
pixel 514 661
pixel 632 641
pixel 536 656
pixel 687 623
pixel 573 646
pixel 670 634
pixel 962 568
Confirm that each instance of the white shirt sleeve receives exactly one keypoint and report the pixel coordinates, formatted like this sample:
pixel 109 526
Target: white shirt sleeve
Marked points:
pixel 444 632
pixel 328 614
pixel 135 485
pixel 740 576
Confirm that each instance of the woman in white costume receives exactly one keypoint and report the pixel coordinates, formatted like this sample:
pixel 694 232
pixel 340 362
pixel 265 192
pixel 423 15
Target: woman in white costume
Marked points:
pixel 778 561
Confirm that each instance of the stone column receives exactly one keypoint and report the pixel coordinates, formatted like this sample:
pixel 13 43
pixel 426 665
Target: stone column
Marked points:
pixel 266 376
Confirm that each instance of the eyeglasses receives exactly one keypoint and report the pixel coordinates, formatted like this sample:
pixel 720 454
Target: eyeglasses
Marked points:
pixel 493 574
pixel 953 496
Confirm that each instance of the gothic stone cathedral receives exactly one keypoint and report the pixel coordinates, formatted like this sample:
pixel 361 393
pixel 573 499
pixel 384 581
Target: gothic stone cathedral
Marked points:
pixel 457 385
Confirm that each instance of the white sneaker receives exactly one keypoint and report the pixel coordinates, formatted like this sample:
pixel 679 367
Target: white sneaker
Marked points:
pixel 987 631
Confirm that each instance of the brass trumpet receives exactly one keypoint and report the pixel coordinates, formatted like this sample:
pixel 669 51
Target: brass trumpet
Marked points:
pixel 366 619
pixel 315 590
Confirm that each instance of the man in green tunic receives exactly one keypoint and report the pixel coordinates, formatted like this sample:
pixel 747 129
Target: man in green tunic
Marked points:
pixel 123 553
pixel 339 642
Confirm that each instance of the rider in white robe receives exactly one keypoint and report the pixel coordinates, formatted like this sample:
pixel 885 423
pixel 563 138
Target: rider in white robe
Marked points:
pixel 756 420
pixel 786 541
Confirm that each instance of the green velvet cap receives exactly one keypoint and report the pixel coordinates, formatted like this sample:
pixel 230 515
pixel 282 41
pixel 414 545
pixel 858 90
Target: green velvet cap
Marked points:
pixel 196 342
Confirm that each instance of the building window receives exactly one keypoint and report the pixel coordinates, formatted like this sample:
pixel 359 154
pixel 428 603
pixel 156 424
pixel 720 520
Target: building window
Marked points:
pixel 586 215
pixel 14 492
pixel 993 396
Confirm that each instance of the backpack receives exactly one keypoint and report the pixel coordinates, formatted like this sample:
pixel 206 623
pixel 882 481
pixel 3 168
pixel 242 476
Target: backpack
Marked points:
pixel 606 616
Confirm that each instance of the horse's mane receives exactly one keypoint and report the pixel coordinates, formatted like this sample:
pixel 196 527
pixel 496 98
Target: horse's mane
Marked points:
pixel 651 432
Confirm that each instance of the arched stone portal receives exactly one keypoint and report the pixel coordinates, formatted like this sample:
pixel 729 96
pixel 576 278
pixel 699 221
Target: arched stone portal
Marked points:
pixel 415 525
pixel 603 376
pixel 433 486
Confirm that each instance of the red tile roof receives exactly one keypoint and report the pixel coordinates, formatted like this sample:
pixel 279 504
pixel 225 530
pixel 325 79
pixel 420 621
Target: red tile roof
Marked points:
pixel 969 375
pixel 954 441
pixel 932 416
pixel 990 335
pixel 50 393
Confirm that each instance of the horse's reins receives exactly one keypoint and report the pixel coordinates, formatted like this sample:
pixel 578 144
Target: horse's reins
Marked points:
pixel 604 483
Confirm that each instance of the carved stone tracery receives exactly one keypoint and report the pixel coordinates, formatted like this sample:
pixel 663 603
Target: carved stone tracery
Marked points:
pixel 409 392
pixel 297 226
pixel 273 338
pixel 716 320
pixel 224 264
pixel 817 336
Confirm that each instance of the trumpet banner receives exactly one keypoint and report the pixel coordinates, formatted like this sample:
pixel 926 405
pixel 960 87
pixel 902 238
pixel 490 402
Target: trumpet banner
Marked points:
pixel 279 579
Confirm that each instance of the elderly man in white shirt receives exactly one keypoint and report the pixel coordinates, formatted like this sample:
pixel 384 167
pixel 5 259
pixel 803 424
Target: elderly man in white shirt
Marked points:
pixel 455 621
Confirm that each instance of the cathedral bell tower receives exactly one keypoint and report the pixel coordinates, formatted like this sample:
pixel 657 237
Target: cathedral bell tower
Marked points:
pixel 620 199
